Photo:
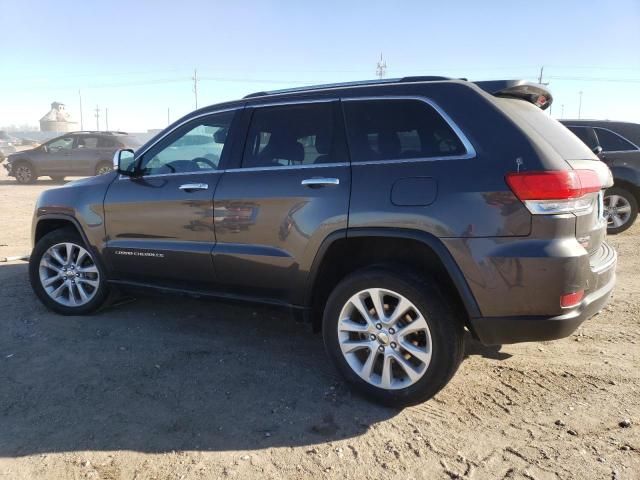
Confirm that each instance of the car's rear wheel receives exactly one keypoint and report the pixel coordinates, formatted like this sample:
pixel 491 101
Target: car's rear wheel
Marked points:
pixel 24 173
pixel 392 335
pixel 104 167
pixel 65 275
pixel 620 209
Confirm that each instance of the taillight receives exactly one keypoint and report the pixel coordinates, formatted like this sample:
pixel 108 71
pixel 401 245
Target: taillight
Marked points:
pixel 551 192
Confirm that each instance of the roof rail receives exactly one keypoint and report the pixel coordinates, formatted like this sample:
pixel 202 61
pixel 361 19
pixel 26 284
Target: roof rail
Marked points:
pixel 107 132
pixel 351 84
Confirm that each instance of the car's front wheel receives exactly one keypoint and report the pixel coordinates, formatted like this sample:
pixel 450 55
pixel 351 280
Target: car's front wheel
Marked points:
pixel 620 209
pixel 393 335
pixel 65 275
pixel 24 173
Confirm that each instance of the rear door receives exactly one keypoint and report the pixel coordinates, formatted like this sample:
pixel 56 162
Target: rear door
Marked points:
pixel 159 225
pixel 290 192
pixel 84 155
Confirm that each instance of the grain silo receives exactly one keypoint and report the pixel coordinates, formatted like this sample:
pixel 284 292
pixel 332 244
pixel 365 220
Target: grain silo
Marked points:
pixel 57 119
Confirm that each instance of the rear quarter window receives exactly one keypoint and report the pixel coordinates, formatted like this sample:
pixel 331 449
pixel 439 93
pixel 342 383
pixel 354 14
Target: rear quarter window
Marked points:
pixel 538 125
pixel 390 129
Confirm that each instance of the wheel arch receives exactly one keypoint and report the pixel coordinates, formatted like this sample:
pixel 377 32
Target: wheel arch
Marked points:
pixel 342 254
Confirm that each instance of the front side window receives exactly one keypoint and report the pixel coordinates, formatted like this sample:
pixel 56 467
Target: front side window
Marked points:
pixel 398 129
pixel 612 142
pixel 65 143
pixel 197 146
pixel 290 135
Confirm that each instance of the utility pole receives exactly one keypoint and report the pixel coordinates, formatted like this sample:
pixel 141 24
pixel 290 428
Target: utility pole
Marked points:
pixel 97 118
pixel 106 118
pixel 540 77
pixel 381 68
pixel 195 85
pixel 80 97
pixel 562 111
pixel 168 120
pixel 580 105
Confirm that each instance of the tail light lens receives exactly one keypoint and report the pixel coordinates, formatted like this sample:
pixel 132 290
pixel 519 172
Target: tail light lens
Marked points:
pixel 553 192
pixel 571 300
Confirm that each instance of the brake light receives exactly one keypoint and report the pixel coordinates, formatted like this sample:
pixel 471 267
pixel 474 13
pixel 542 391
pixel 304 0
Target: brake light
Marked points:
pixel 550 192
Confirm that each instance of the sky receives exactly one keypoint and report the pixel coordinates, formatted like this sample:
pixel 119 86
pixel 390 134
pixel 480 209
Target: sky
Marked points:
pixel 137 58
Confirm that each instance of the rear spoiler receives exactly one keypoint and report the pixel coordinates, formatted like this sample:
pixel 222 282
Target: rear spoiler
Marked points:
pixel 535 93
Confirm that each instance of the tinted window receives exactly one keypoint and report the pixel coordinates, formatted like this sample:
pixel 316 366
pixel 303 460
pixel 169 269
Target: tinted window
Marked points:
pixel 197 146
pixel 398 129
pixel 290 135
pixel 586 134
pixel 84 141
pixel 611 142
pixel 105 142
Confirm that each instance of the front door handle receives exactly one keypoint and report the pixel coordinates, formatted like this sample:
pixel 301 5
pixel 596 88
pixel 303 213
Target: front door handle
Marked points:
pixel 190 187
pixel 317 182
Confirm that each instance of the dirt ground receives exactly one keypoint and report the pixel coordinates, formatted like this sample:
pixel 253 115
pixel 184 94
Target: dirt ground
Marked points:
pixel 173 388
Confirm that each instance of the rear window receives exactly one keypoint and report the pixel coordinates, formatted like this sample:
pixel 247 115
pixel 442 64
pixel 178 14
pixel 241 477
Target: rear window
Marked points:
pixel 539 126
pixel 398 129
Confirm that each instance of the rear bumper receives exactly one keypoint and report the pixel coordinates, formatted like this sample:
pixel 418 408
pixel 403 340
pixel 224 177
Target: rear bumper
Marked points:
pixel 505 330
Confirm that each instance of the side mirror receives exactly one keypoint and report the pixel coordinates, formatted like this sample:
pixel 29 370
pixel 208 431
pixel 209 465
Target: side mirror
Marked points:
pixel 44 148
pixel 124 162
pixel 220 136
pixel 597 149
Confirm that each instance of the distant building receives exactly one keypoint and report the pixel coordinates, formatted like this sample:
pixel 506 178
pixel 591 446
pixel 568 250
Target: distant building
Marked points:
pixel 57 119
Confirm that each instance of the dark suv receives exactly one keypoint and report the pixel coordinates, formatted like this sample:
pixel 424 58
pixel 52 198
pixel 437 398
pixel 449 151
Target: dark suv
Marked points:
pixel 72 154
pixel 617 145
pixel 393 215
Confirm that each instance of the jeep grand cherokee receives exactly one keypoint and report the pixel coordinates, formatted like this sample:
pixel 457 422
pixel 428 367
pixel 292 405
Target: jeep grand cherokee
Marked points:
pixel 394 215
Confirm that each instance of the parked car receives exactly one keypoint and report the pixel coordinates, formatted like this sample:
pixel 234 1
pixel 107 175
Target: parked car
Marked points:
pixel 72 154
pixel 7 145
pixel 617 144
pixel 393 215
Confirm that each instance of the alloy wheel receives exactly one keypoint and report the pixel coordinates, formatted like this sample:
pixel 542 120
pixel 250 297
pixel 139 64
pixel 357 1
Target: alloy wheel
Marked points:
pixel 69 274
pixel 24 174
pixel 617 210
pixel 104 169
pixel 384 338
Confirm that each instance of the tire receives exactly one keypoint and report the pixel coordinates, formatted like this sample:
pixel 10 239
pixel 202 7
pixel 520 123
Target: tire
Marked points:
pixel 104 167
pixel 83 276
pixel 24 173
pixel 622 212
pixel 57 179
pixel 444 334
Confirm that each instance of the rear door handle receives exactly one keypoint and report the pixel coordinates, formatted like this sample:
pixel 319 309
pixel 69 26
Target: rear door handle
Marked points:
pixel 190 187
pixel 317 182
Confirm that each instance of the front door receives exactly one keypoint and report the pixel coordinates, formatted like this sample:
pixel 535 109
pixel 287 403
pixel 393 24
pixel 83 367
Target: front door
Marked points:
pixel 290 192
pixel 159 224
pixel 84 156
pixel 53 157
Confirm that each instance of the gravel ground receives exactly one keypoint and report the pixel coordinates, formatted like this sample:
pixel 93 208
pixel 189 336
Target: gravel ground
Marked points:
pixel 173 388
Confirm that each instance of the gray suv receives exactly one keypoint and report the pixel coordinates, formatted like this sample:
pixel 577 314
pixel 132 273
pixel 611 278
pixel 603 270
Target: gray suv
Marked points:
pixel 72 154
pixel 392 215
pixel 618 145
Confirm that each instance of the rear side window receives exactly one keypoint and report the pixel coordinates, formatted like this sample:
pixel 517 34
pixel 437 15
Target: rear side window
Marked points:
pixel 291 135
pixel 106 142
pixel 612 142
pixel 398 129
pixel 587 135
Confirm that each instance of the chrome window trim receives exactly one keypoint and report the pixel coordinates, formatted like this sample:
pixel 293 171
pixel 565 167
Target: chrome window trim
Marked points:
pixel 619 136
pixel 169 132
pixel 288 167
pixel 156 175
pixel 470 150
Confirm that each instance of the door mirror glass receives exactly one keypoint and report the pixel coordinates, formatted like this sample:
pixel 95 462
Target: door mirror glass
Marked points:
pixel 124 162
